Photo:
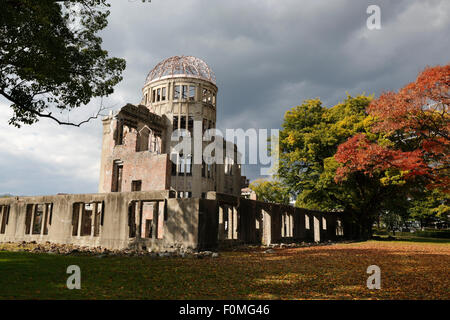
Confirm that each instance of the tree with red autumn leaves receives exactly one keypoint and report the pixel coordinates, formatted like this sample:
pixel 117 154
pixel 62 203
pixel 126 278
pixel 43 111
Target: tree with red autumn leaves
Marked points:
pixel 367 158
pixel 309 140
pixel 411 127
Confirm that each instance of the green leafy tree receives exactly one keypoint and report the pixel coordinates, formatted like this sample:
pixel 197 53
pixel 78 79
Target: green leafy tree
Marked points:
pixel 309 140
pixel 432 205
pixel 270 191
pixel 392 220
pixel 51 57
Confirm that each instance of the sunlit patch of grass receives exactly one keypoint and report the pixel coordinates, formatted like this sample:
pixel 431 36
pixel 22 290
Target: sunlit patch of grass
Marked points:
pixel 409 271
pixel 289 278
pixel 275 257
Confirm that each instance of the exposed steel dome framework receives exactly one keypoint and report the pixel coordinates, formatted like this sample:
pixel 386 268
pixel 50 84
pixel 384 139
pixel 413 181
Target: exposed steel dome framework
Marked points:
pixel 181 66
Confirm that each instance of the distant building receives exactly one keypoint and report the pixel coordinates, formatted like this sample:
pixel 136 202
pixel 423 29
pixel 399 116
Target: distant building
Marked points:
pixel 248 193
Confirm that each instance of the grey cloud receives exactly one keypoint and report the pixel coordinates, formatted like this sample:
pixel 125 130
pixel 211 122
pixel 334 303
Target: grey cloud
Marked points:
pixel 27 177
pixel 269 56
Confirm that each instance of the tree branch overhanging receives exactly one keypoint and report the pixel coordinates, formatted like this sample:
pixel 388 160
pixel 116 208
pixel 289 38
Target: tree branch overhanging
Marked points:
pixel 50 116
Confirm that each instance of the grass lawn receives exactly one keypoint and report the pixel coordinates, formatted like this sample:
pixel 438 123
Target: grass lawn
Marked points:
pixel 409 270
pixel 435 236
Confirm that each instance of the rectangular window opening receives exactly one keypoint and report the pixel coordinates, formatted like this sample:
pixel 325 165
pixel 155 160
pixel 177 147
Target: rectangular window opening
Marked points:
pixel 28 217
pixel 191 124
pixel 98 218
pixel 38 217
pixel 181 165
pixel 183 122
pixel 119 133
pixel 47 217
pixel 4 217
pixel 184 91
pixel 117 176
pixel 203 169
pixel 209 167
pixel 174 167
pixel 136 185
pixel 148 228
pixel 142 140
pixel 75 218
pixel 176 92
pixel 147 216
pixel 191 93
pixel 188 162
pixel 86 219
pixel 51 214
pixel 132 219
pixel 175 123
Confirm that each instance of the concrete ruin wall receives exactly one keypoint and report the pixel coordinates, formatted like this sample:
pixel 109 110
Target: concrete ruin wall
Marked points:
pixel 159 221
pixel 248 221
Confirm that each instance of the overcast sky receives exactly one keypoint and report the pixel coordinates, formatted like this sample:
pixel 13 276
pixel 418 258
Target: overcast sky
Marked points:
pixel 268 56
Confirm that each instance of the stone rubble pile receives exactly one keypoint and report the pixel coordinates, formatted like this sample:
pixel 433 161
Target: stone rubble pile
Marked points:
pixel 70 249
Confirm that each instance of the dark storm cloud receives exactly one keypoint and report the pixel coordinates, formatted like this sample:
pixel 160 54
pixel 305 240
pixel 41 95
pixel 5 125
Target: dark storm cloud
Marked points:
pixel 271 55
pixel 268 56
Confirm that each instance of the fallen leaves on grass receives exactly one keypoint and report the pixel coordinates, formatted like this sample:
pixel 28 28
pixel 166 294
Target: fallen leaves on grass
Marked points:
pixel 408 271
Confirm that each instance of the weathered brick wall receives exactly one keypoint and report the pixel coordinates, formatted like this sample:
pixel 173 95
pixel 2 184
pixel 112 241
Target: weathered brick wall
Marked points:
pixel 150 168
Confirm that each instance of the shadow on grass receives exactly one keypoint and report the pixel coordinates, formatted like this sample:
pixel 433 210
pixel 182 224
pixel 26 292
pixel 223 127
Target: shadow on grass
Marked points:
pixel 411 238
pixel 327 272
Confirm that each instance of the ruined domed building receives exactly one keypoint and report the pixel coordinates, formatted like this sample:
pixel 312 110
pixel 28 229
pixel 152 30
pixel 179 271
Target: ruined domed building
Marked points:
pixel 153 197
pixel 137 152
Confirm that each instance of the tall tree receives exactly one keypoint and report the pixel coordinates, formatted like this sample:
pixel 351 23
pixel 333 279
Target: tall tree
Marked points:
pixel 415 125
pixel 430 206
pixel 309 140
pixel 51 57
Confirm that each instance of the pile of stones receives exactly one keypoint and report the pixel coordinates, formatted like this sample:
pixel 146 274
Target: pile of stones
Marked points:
pixel 69 249
pixel 181 252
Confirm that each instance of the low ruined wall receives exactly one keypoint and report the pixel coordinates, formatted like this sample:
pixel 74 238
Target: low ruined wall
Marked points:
pixel 256 222
pixel 157 221
pixel 105 222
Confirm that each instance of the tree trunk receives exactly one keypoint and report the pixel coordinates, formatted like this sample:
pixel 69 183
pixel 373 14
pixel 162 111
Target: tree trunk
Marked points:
pixel 364 223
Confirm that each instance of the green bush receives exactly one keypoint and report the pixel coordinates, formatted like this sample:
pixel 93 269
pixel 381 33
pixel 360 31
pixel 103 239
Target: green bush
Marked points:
pixel 380 232
pixel 445 234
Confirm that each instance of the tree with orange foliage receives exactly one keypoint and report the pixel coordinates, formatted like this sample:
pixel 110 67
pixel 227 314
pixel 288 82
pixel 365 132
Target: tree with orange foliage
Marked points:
pixel 308 143
pixel 412 129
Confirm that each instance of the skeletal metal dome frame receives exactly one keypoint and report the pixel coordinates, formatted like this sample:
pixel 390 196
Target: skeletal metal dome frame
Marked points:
pixel 181 66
